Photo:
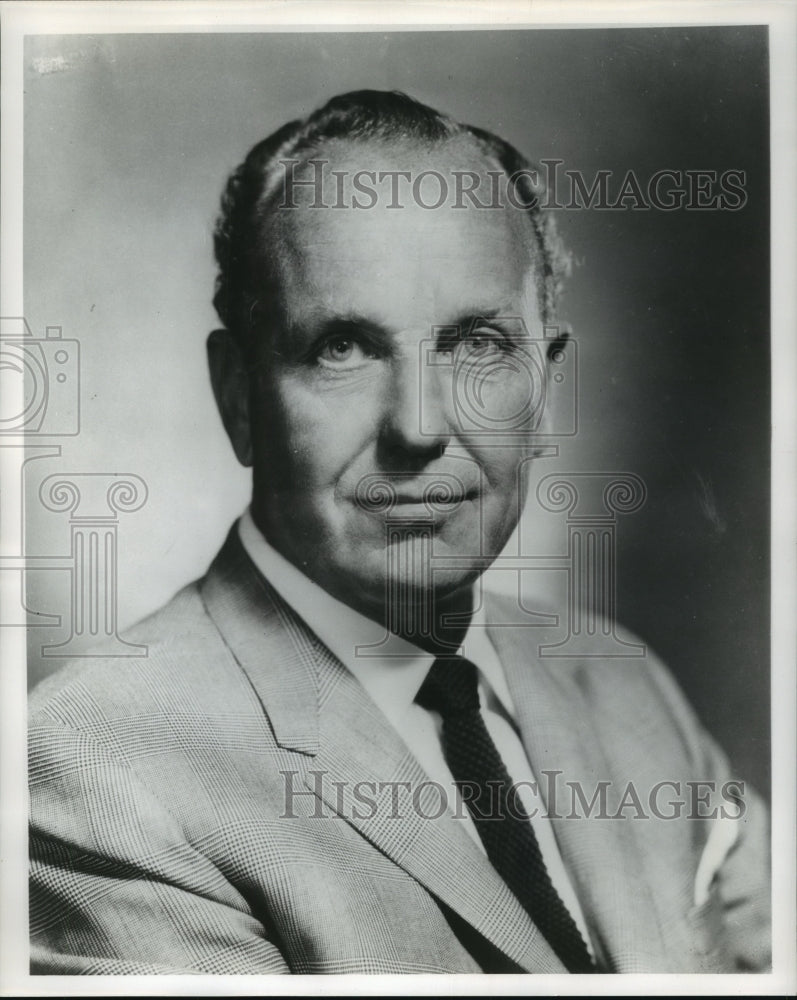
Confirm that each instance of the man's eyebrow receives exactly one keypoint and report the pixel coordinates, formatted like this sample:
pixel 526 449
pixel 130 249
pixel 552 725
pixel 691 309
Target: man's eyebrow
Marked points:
pixel 498 317
pixel 348 323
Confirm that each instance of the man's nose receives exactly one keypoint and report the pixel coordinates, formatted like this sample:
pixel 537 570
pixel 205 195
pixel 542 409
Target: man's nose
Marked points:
pixel 416 409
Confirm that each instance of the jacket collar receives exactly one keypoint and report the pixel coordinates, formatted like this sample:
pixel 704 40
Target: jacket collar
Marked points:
pixel 271 643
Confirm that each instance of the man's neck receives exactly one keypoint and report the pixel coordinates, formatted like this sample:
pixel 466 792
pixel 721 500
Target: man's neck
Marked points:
pixel 437 624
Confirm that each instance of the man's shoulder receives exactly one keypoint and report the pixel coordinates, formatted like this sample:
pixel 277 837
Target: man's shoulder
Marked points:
pixel 178 647
pixel 545 635
pixel 626 686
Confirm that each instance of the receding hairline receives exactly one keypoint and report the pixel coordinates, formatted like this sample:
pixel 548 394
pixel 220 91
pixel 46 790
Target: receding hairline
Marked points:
pixel 326 148
pixel 276 246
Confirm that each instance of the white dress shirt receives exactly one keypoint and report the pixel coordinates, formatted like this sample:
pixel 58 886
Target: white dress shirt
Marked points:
pixel 392 671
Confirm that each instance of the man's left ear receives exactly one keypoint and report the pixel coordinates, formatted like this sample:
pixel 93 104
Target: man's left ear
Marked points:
pixel 230 381
pixel 546 424
pixel 545 421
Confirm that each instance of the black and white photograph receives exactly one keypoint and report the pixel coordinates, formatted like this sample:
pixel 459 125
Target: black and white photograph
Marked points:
pixel 397 565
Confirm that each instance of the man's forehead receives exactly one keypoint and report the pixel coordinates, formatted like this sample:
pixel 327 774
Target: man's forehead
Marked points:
pixel 368 212
pixel 381 181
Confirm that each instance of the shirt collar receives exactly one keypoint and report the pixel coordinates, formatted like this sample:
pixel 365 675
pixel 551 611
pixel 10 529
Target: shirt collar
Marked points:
pixel 390 668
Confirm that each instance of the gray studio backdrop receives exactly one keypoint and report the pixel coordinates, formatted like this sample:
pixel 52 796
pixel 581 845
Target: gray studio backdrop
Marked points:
pixel 128 141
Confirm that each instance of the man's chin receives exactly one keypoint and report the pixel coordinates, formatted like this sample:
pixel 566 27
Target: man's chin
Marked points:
pixel 410 596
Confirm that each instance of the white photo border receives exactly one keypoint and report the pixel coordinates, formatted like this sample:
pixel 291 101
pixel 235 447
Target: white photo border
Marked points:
pixel 21 19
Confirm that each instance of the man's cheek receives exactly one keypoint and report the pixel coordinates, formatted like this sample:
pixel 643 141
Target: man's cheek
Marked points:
pixel 502 469
pixel 498 458
pixel 500 397
pixel 325 418
pixel 300 435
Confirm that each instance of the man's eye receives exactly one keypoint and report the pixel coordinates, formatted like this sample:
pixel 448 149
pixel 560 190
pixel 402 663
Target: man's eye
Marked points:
pixel 481 344
pixel 343 351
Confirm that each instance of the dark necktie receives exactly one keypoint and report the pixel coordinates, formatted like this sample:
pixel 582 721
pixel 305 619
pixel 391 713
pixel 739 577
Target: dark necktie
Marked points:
pixel 451 688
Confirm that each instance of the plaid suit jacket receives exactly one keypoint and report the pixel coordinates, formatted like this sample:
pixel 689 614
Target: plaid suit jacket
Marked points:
pixel 233 803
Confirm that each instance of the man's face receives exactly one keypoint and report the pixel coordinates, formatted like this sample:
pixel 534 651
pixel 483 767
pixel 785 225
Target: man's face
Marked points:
pixel 395 355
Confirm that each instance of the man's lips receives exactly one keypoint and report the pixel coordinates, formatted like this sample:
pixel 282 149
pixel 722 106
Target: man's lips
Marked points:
pixel 433 493
pixel 411 504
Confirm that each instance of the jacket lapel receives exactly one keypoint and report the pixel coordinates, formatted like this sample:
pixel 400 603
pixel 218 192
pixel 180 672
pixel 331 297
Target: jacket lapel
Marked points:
pixel 318 708
pixel 602 856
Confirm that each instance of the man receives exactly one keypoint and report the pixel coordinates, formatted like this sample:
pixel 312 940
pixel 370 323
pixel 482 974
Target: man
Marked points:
pixel 341 755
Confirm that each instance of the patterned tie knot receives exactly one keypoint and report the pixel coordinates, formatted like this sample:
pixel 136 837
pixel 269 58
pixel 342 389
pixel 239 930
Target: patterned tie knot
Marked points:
pixel 451 687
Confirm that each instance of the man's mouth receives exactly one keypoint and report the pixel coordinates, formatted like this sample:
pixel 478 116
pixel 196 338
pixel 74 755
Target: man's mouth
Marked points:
pixel 428 497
